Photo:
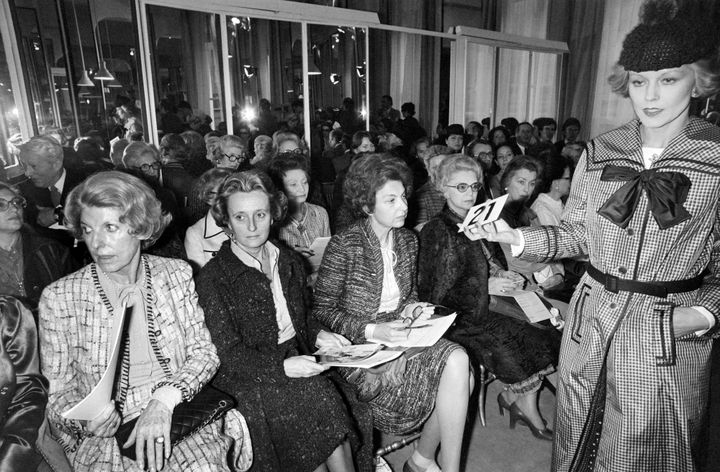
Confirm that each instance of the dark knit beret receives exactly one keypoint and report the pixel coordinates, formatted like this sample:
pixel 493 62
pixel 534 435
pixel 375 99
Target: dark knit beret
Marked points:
pixel 666 39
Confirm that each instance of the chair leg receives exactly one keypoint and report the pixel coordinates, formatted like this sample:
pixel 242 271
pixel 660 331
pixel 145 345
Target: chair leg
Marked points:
pixel 397 445
pixel 481 396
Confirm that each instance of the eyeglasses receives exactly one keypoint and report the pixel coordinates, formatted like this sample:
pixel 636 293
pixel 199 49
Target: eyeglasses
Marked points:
pixel 147 167
pixel 297 152
pixel 233 157
pixel 463 187
pixel 17 202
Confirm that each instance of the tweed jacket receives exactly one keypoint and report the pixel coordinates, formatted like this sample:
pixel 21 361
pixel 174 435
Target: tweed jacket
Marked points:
pixel 23 390
pixel 349 285
pixel 75 323
pixel 657 384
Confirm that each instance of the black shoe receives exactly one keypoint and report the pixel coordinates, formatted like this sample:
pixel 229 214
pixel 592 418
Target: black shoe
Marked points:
pixel 516 415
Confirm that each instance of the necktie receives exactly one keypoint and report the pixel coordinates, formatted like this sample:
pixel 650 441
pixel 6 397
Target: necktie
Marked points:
pixel 55 196
pixel 666 193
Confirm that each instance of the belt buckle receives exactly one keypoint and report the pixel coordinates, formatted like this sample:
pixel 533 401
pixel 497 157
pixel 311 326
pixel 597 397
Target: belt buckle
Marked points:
pixel 611 283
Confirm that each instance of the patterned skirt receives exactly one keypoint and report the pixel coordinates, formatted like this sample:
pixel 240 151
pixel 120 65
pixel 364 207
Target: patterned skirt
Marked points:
pixel 405 408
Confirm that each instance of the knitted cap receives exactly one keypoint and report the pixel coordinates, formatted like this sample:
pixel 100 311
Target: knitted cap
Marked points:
pixel 666 38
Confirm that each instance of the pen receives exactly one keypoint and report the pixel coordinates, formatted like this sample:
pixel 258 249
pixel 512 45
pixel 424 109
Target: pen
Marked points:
pixel 417 327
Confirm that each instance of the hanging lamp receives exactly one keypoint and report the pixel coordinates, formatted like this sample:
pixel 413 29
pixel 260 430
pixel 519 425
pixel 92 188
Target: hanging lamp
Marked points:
pixel 84 78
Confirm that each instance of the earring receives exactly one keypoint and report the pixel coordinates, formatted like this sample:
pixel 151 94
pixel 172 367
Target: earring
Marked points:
pixel 694 93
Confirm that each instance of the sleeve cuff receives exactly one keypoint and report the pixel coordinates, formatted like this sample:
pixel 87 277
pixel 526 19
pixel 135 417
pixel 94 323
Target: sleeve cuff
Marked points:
pixel 370 330
pixel 517 249
pixel 168 395
pixel 708 316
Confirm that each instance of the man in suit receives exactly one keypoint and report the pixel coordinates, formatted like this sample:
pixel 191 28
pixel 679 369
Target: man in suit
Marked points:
pixel 48 185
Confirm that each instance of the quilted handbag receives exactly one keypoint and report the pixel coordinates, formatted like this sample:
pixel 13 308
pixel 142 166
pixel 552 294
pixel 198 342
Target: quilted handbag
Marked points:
pixel 188 417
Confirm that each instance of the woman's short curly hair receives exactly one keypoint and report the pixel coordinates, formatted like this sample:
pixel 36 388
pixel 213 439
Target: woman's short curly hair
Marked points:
pixel 211 180
pixel 139 207
pixel 246 182
pixel 456 163
pixel 370 173
pixel 707 78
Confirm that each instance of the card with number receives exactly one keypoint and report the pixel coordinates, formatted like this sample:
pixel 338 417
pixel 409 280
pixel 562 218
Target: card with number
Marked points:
pixel 484 213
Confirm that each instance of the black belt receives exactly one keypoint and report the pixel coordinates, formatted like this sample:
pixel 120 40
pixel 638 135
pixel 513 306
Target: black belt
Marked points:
pixel 656 289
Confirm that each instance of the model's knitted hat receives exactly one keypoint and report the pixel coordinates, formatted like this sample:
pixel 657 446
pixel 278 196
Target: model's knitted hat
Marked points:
pixel 666 38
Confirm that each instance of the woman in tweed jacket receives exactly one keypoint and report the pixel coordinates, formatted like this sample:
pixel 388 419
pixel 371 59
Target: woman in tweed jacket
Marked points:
pixel 366 284
pixel 296 415
pixel 171 356
pixel 644 206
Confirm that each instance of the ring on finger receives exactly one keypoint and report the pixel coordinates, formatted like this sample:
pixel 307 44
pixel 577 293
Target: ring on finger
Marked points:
pixel 160 440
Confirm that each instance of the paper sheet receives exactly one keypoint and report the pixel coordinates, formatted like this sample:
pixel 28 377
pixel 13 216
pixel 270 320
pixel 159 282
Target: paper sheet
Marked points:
pixel 484 213
pixel 92 405
pixel 356 355
pixel 426 336
pixel 532 306
pixel 318 248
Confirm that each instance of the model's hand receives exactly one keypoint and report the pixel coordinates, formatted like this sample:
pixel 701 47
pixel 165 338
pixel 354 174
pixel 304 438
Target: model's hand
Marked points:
pixel 151 436
pixel 553 281
pixel 302 366
pixel 328 339
pixel 392 332
pixel 514 276
pixel 106 423
pixel 687 320
pixel 498 231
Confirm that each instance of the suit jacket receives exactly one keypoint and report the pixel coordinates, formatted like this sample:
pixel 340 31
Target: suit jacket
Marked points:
pixel 44 262
pixel 40 197
pixel 23 390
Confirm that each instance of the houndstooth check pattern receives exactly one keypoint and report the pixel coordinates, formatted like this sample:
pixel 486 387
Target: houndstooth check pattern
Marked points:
pixel 656 384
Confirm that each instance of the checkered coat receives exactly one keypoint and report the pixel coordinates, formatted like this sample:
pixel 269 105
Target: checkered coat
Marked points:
pixel 656 384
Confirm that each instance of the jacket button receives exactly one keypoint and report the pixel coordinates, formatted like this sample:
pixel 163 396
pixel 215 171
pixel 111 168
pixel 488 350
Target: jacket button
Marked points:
pixel 622 270
pixel 630 231
pixel 613 306
pixel 3 391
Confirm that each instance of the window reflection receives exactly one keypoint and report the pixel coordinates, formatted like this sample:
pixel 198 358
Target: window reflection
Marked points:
pixel 186 70
pixel 10 135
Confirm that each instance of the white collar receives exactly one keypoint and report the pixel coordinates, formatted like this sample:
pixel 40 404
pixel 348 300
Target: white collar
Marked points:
pixel 60 184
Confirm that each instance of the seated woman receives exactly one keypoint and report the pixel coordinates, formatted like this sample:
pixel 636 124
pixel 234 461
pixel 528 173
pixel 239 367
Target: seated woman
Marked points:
pixel 304 222
pixel 461 275
pixel 24 389
pixel 28 262
pixel 504 154
pixel 230 152
pixel 427 201
pixel 296 416
pixel 365 287
pixel 204 238
pixel 171 356
pixel 518 181
pixel 548 206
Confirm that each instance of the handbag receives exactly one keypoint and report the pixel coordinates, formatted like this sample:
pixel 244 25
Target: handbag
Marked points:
pixel 188 417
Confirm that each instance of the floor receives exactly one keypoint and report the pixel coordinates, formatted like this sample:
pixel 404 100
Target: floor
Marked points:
pixel 497 448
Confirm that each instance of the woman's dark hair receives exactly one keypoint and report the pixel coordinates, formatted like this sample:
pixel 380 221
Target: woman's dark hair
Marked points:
pixel 370 173
pixel 283 163
pixel 358 137
pixel 246 182
pixel 520 162
pixel 554 169
pixel 503 130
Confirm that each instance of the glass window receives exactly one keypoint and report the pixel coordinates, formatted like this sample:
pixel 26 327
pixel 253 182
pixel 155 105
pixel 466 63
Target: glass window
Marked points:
pixel 10 133
pixel 186 70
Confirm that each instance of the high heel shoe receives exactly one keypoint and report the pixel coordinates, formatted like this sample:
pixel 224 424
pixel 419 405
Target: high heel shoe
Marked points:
pixel 502 404
pixel 516 415
pixel 410 466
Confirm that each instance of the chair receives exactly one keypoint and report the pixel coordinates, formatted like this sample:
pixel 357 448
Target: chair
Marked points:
pixel 379 463
pixel 486 377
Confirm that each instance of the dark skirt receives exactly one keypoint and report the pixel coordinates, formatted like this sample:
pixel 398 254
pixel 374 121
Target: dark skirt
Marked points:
pixel 511 349
pixel 296 425
pixel 405 408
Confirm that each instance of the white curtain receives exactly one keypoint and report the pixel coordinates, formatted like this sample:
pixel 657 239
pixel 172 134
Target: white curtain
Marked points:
pixel 526 89
pixel 480 82
pixel 611 110
pixel 405 73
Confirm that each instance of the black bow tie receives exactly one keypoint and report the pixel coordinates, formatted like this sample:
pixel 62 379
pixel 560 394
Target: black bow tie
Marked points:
pixel 666 192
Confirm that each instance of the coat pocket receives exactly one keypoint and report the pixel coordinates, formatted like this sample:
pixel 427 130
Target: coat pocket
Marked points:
pixel 663 334
pixel 578 312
